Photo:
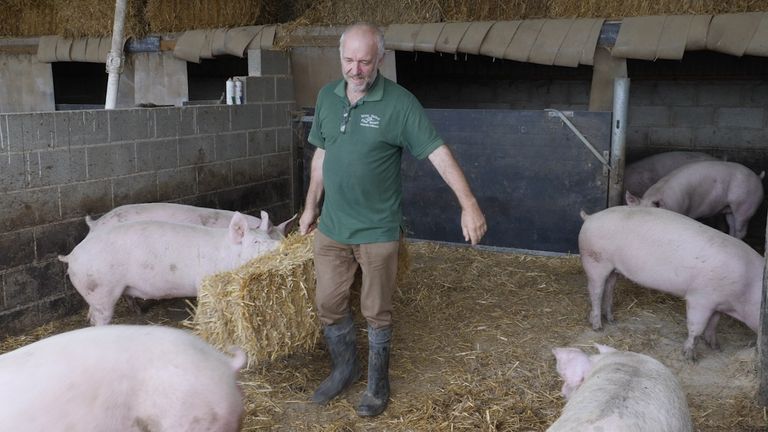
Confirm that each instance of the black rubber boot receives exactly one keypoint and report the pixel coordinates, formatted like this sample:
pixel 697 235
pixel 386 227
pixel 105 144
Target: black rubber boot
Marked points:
pixel 376 396
pixel 340 340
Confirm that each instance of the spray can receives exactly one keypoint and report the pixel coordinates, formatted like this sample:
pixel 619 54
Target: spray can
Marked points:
pixel 238 92
pixel 230 93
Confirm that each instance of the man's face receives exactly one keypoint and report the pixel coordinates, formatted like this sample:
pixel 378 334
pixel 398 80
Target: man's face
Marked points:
pixel 359 60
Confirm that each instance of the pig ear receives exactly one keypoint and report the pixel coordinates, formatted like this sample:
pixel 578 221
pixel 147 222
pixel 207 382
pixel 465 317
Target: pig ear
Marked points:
pixel 265 224
pixel 605 349
pixel 287 225
pixel 573 366
pixel 631 200
pixel 238 226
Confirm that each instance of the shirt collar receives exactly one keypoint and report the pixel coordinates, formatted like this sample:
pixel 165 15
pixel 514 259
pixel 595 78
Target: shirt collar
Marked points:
pixel 375 93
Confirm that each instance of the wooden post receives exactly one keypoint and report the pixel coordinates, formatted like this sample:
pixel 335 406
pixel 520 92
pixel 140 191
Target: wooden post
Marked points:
pixel 762 340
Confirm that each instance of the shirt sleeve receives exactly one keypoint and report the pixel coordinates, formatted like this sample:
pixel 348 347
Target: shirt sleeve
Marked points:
pixel 419 135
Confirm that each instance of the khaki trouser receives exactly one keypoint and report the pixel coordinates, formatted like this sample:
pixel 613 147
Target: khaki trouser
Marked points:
pixel 335 266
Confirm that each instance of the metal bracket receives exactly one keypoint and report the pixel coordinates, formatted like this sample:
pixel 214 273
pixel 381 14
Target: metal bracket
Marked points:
pixel 603 159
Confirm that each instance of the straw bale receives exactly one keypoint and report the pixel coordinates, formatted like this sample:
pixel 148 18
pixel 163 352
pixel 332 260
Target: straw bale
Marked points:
pixel 27 18
pixel 338 12
pixel 632 8
pixel 164 16
pixel 267 305
pixel 77 18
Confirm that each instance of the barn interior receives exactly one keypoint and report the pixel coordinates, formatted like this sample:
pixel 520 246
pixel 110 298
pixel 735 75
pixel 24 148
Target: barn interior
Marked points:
pixel 695 79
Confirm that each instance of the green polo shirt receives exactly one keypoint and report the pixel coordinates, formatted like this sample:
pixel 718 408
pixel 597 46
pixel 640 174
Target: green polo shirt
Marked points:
pixel 363 146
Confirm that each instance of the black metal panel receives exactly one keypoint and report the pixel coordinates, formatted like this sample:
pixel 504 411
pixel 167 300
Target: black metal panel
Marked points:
pixel 528 170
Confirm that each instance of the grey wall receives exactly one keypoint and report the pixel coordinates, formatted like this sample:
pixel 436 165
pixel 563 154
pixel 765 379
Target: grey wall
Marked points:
pixel 57 167
pixel 726 118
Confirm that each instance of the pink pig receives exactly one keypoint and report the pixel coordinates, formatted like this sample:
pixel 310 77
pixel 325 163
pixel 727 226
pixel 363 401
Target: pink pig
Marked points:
pixel 120 378
pixel 181 213
pixel 708 188
pixel 659 249
pixel 156 260
pixel 619 391
pixel 642 174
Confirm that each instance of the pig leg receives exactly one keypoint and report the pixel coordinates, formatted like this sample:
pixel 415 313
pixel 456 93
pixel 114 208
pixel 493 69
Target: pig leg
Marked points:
pixel 101 302
pixel 698 315
pixel 710 337
pixel 735 226
pixel 597 276
pixel 610 285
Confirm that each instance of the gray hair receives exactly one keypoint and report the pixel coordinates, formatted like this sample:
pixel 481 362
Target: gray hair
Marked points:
pixel 373 29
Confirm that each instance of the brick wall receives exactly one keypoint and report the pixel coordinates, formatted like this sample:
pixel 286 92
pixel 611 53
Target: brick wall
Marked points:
pixel 57 167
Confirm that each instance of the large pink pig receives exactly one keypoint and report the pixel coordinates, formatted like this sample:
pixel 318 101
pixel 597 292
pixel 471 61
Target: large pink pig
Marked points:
pixel 120 378
pixel 666 251
pixel 156 260
pixel 619 391
pixel 708 188
pixel 181 213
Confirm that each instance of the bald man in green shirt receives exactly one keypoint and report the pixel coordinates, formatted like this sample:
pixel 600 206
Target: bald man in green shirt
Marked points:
pixel 362 124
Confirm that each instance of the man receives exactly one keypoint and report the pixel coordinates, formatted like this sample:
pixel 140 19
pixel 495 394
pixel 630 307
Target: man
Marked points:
pixel 362 124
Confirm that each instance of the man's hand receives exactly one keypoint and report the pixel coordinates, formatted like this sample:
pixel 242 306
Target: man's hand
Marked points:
pixel 473 224
pixel 307 222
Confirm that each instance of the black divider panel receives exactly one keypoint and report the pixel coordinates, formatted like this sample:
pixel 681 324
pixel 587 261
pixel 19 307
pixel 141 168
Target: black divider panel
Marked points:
pixel 530 173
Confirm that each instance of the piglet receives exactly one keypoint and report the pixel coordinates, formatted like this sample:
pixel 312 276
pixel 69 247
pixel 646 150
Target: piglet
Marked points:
pixel 120 378
pixel 708 188
pixel 642 174
pixel 666 251
pixel 181 213
pixel 157 260
pixel 618 391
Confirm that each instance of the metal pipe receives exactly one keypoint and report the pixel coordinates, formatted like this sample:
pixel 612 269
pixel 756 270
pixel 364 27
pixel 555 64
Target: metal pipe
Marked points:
pixel 762 340
pixel 618 140
pixel 115 57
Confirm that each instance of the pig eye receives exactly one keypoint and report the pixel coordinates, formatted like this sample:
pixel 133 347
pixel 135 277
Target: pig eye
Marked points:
pixel 656 204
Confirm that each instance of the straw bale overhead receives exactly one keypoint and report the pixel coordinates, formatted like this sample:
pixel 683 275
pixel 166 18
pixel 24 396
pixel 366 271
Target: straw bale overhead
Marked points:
pixel 72 18
pixel 267 305
pixel 330 12
pixel 165 16
pixel 75 18
pixel 94 17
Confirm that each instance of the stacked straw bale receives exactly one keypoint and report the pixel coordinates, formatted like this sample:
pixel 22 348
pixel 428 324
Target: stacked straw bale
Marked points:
pixel 77 18
pixel 167 16
pixel 266 306
pixel 74 18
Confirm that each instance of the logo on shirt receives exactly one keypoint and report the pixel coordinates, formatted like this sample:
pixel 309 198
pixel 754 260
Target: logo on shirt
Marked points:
pixel 369 120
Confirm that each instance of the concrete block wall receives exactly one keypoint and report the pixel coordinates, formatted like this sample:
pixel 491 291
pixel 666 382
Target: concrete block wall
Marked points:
pixel 500 94
pixel 725 118
pixel 57 167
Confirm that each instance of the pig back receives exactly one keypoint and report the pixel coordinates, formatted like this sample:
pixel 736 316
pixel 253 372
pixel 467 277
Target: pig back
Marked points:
pixel 169 212
pixel 116 377
pixel 640 175
pixel 704 188
pixel 650 244
pixel 626 391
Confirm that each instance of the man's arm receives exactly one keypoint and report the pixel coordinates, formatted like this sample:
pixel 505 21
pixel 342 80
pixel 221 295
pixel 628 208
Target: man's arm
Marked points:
pixel 314 193
pixel 473 224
